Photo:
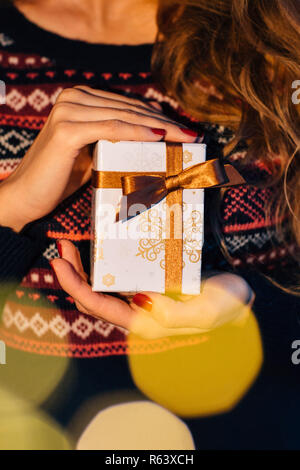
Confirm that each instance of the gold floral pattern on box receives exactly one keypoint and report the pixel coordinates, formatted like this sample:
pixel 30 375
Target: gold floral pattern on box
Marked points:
pixel 191 245
pixel 154 247
pixel 151 248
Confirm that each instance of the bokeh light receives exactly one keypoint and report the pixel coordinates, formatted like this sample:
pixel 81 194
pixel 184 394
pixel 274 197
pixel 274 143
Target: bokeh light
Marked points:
pixel 29 375
pixel 207 378
pixel 138 425
pixel 25 428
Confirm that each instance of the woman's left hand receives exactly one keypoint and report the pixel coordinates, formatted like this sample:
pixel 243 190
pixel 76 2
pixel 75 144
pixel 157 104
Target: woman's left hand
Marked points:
pixel 224 299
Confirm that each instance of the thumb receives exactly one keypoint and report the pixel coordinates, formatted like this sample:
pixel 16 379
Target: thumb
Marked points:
pixel 160 307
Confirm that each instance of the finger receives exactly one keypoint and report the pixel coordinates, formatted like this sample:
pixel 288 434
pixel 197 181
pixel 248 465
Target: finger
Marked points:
pixel 83 97
pixel 163 309
pixel 83 133
pixel 98 305
pixel 79 113
pixel 148 328
pixel 216 306
pixel 71 99
pixel 112 96
pixel 70 253
pixel 106 307
pixel 82 112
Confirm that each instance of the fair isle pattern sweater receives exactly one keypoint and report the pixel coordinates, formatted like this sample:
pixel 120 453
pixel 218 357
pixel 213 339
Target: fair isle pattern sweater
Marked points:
pixel 38 316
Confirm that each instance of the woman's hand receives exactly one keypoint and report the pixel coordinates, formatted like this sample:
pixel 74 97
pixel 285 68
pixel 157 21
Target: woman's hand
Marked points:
pixel 80 117
pixel 225 298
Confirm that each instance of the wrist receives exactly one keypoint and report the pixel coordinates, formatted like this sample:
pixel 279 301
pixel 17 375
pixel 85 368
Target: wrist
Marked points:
pixel 11 213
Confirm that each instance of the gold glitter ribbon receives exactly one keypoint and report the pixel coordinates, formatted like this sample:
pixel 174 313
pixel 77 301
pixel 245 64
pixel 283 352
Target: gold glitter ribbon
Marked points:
pixel 174 223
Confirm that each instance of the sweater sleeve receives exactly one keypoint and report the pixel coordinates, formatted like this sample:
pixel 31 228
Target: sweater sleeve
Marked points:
pixel 17 252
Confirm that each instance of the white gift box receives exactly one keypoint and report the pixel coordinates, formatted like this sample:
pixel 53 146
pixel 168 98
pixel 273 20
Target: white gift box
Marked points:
pixel 130 255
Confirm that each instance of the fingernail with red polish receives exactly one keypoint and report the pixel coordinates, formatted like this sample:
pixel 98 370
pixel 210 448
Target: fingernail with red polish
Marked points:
pixel 143 301
pixel 189 132
pixel 161 132
pixel 59 248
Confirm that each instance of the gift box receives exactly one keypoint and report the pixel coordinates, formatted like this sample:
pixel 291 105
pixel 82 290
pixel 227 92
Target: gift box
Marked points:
pixel 147 216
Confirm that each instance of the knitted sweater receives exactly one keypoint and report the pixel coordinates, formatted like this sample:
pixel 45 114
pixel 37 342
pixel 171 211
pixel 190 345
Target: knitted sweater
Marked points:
pixel 37 315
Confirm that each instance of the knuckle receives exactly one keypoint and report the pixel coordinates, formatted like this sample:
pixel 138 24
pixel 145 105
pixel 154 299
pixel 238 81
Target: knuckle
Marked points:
pixel 82 88
pixel 161 314
pixel 59 110
pixel 80 307
pixel 62 130
pixel 114 125
pixel 66 94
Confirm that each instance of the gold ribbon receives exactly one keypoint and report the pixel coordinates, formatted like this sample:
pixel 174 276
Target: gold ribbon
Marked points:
pixel 174 226
pixel 150 188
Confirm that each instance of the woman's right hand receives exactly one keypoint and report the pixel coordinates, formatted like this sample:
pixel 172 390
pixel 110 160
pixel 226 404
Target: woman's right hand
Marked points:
pixel 80 116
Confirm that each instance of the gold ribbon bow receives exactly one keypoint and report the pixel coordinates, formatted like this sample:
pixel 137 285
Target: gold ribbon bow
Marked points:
pixel 150 189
